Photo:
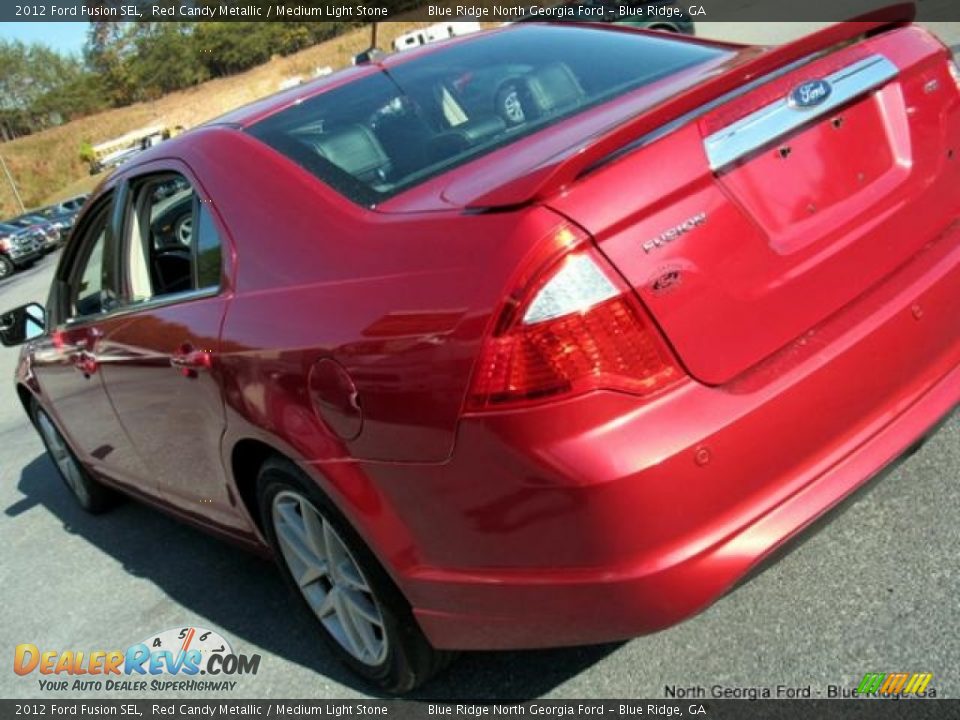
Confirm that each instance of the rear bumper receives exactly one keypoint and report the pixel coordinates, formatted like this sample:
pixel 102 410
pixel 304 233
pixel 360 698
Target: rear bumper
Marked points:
pixel 601 518
pixel 571 607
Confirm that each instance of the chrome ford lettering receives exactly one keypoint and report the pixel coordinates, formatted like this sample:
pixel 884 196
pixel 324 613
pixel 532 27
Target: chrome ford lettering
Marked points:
pixel 673 233
pixel 809 94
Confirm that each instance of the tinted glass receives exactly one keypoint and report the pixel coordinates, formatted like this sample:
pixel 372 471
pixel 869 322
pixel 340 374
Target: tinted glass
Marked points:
pixel 90 289
pixel 382 134
pixel 207 250
pixel 171 245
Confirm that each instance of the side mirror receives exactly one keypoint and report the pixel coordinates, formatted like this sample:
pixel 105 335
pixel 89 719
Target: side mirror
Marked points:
pixel 21 324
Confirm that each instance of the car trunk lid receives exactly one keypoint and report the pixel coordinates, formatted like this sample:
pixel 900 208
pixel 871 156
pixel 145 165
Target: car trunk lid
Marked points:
pixel 745 227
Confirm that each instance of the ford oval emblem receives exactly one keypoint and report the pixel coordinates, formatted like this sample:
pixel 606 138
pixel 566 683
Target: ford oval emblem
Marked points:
pixel 809 94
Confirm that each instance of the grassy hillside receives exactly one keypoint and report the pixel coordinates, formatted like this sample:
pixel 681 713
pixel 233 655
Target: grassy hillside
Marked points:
pixel 47 167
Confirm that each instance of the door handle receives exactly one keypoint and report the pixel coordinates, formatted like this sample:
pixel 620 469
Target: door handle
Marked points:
pixel 187 359
pixel 85 362
pixel 83 354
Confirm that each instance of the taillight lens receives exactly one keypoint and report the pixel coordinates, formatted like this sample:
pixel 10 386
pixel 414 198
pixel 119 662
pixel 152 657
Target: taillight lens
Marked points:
pixel 954 71
pixel 576 327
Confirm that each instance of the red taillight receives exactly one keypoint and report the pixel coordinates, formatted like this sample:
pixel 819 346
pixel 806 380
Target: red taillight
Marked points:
pixel 954 71
pixel 575 328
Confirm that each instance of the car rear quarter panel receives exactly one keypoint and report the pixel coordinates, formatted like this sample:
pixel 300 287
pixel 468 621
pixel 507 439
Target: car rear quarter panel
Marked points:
pixel 400 301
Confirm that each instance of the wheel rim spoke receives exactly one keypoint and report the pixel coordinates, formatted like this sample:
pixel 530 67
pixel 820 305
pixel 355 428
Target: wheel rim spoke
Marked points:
pixel 363 608
pixel 311 574
pixel 292 536
pixel 363 631
pixel 353 632
pixel 335 551
pixel 61 456
pixel 350 578
pixel 313 530
pixel 329 577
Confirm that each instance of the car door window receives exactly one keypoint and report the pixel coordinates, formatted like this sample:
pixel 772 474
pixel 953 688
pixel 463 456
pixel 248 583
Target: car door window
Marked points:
pixel 91 287
pixel 208 252
pixel 171 244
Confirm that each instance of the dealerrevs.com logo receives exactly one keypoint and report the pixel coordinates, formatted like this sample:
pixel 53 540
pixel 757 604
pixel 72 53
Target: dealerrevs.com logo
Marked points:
pixel 169 660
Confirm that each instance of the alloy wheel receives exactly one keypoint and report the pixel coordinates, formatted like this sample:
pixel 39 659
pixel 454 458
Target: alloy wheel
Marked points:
pixel 513 108
pixel 329 578
pixel 185 231
pixel 57 446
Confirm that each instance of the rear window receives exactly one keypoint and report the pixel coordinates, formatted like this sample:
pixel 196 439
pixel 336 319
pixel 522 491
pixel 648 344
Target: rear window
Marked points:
pixel 385 133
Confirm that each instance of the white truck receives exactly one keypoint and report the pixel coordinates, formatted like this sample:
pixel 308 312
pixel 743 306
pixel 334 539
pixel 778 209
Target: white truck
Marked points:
pixel 432 33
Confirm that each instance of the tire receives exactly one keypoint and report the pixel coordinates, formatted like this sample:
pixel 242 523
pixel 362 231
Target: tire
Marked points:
pixel 90 494
pixel 7 268
pixel 183 230
pixel 509 104
pixel 362 615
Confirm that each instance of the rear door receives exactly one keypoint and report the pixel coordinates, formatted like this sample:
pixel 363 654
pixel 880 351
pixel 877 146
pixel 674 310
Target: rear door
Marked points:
pixel 746 228
pixel 159 364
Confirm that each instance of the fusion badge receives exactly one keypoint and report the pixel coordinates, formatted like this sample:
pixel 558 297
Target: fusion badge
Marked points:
pixel 673 233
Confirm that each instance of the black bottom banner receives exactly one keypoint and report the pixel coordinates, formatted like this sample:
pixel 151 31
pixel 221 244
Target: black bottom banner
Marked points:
pixel 547 709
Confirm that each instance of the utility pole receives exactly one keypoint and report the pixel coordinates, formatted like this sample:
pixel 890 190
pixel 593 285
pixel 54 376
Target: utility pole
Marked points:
pixel 13 185
pixel 373 35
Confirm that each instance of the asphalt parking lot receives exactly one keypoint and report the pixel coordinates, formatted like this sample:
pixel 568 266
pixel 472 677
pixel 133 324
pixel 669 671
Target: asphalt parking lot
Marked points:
pixel 874 588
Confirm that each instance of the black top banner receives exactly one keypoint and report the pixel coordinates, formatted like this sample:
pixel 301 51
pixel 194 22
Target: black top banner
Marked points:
pixel 626 11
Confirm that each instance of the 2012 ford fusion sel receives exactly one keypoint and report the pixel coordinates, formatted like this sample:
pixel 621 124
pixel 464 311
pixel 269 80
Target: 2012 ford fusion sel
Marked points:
pixel 542 336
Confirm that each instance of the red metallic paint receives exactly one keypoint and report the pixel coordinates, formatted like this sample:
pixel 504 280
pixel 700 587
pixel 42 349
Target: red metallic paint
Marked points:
pixel 579 519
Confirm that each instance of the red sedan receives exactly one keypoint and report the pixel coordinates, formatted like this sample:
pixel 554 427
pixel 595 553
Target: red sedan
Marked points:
pixel 543 336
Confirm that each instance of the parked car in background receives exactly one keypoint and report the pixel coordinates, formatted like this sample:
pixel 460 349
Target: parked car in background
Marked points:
pixel 73 204
pixel 64 213
pixel 19 248
pixel 51 231
pixel 62 221
pixel 546 336
pixel 371 54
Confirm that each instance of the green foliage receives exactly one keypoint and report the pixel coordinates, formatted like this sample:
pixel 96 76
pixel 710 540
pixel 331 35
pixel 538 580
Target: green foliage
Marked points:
pixel 111 55
pixel 167 60
pixel 124 63
pixel 40 87
pixel 226 48
pixel 86 151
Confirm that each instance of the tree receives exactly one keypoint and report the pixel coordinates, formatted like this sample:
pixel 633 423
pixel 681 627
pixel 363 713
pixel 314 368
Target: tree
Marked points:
pixel 40 87
pixel 125 62
pixel 110 47
pixel 167 59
